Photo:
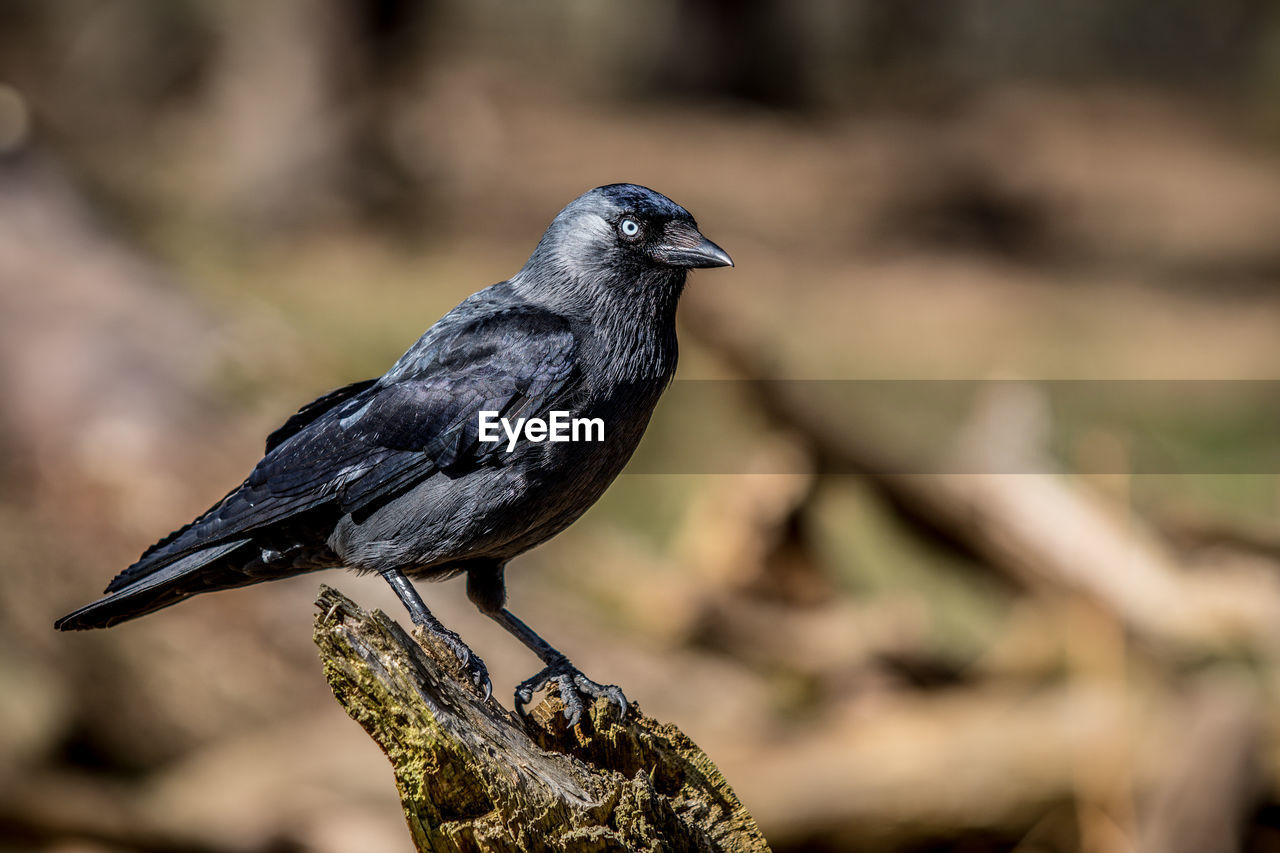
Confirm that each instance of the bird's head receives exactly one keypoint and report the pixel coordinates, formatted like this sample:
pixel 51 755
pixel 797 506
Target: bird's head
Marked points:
pixel 620 239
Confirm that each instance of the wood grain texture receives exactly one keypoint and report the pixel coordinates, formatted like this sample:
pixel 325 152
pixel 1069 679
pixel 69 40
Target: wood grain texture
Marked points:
pixel 472 776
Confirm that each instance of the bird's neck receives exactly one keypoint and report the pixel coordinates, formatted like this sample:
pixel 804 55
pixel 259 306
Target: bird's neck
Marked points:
pixel 628 318
pixel 637 334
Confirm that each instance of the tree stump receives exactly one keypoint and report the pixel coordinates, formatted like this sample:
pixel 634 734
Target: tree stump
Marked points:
pixel 474 777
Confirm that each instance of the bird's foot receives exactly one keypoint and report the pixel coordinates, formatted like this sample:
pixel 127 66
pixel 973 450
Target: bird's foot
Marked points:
pixel 472 665
pixel 573 685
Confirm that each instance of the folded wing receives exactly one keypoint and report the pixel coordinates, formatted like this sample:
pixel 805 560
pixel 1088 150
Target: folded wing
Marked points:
pixel 355 448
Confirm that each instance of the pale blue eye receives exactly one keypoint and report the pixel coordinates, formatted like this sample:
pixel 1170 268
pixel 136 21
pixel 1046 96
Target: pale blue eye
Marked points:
pixel 629 227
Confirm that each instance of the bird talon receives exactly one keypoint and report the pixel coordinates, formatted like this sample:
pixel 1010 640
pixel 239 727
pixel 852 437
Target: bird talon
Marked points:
pixel 460 650
pixel 572 686
pixel 471 663
pixel 479 673
pixel 569 696
pixel 530 686
pixel 612 692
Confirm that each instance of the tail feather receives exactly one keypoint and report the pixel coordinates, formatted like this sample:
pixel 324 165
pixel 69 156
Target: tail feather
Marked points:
pixel 217 567
pixel 185 541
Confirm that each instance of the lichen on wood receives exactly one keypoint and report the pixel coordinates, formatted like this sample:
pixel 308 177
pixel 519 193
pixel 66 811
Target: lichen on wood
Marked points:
pixel 474 777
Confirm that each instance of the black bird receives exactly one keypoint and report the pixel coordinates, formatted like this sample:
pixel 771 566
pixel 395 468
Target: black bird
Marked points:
pixel 390 475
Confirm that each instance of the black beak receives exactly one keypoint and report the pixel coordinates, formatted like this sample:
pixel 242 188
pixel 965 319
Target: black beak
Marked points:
pixel 684 246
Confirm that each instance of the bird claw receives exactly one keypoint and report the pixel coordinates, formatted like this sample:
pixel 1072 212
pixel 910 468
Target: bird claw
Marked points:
pixel 471 663
pixel 572 685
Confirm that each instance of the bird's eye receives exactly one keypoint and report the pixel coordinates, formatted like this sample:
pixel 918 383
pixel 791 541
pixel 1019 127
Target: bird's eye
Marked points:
pixel 628 227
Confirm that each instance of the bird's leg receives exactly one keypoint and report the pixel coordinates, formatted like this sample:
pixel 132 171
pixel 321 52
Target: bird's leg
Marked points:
pixel 558 669
pixel 420 615
pixel 486 589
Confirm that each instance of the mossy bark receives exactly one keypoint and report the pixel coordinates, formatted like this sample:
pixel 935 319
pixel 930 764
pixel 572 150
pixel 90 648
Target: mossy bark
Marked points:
pixel 475 777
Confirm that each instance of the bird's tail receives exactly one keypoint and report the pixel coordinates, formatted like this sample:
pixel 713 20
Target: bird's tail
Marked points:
pixel 219 566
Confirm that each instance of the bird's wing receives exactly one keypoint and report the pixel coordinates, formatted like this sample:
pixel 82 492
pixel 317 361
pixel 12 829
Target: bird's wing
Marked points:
pixel 309 413
pixel 314 410
pixel 355 448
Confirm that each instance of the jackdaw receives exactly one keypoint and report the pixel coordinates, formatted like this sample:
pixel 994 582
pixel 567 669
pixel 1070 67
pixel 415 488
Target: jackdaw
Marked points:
pixel 394 475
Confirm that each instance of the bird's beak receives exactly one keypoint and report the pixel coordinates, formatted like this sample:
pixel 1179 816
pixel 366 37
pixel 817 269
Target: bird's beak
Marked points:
pixel 684 246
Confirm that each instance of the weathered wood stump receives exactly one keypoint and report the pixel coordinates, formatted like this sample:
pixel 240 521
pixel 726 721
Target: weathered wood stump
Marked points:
pixel 473 776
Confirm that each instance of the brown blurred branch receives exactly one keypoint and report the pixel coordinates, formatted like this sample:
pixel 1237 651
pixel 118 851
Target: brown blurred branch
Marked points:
pixel 1214 775
pixel 471 776
pixel 1039 527
pixel 1192 532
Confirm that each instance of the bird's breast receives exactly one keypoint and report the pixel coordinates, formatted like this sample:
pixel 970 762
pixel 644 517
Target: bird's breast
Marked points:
pixel 520 499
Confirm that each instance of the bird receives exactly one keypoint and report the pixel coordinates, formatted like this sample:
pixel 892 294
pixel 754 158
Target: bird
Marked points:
pixel 395 475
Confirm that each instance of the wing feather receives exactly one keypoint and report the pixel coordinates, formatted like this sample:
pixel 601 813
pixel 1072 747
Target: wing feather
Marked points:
pixel 361 445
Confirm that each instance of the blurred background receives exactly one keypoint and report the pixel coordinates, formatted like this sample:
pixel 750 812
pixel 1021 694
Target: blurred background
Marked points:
pixel 994 564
